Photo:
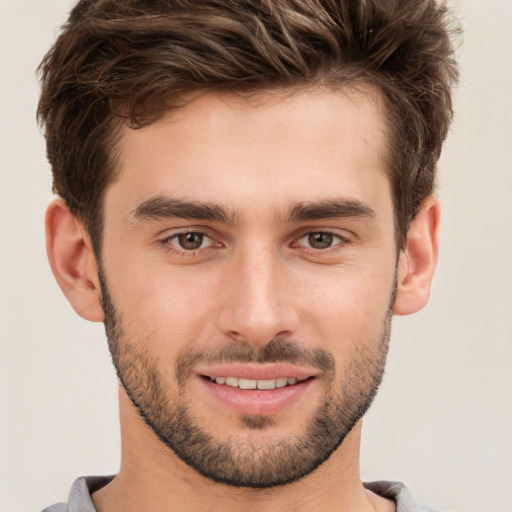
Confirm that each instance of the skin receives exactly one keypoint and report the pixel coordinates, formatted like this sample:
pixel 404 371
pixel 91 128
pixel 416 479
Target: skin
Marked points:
pixel 255 278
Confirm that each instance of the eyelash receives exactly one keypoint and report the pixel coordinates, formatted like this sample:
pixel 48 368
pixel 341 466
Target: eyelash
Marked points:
pixel 341 242
pixel 169 246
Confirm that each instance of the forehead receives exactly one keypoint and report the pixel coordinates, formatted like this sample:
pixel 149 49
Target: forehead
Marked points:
pixel 290 146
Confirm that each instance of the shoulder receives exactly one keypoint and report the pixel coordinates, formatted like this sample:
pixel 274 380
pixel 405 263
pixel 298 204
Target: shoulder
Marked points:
pixel 58 507
pixel 400 494
pixel 80 495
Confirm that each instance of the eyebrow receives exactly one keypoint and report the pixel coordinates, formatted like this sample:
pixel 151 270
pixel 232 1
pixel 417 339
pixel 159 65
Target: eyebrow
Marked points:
pixel 161 207
pixel 307 211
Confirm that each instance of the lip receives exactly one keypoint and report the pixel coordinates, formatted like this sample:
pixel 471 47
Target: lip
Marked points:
pixel 257 371
pixel 255 402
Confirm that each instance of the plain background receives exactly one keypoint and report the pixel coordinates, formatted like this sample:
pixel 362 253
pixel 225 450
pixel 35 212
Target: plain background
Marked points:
pixel 442 422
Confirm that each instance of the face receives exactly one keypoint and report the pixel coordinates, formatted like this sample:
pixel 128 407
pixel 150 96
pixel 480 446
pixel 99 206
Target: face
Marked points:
pixel 247 274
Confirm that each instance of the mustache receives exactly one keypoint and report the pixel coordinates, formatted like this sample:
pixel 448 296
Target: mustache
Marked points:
pixel 275 351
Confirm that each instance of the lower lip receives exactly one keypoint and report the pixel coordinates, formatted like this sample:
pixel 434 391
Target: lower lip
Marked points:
pixel 254 402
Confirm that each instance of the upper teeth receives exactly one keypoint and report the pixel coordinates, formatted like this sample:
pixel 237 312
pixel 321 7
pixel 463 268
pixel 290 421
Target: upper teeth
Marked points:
pixel 236 382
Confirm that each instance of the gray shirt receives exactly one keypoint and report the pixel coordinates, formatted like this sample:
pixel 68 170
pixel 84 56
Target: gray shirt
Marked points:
pixel 80 495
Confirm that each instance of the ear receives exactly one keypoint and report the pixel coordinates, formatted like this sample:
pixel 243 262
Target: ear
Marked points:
pixel 72 261
pixel 417 261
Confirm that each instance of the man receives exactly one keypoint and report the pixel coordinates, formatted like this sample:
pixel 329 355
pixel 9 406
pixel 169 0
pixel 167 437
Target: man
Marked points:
pixel 245 200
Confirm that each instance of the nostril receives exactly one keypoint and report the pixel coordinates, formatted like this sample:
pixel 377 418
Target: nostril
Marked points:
pixel 236 336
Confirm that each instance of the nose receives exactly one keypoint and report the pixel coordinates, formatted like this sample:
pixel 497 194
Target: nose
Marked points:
pixel 257 298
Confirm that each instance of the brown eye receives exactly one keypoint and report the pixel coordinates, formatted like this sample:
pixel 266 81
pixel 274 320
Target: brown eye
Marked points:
pixel 320 240
pixel 190 241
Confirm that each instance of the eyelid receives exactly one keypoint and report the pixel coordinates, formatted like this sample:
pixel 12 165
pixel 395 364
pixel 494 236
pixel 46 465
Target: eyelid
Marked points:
pixel 171 231
pixel 204 239
pixel 343 241
pixel 343 234
pixel 164 240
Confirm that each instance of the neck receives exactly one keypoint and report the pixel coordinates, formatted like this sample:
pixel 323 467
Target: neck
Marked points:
pixel 153 478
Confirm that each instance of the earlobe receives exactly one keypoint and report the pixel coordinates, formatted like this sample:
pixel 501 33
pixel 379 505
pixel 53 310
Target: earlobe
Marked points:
pixel 418 259
pixel 72 260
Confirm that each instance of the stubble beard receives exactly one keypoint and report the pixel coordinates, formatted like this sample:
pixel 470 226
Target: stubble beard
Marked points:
pixel 244 463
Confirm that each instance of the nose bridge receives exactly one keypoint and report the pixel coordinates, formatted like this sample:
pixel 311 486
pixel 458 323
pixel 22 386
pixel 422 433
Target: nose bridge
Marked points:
pixel 257 303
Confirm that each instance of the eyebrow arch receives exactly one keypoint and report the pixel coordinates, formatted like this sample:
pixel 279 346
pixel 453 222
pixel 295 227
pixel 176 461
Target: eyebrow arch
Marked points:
pixel 162 207
pixel 306 211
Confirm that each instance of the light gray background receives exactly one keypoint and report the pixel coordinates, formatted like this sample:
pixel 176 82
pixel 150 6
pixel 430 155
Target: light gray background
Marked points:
pixel 443 420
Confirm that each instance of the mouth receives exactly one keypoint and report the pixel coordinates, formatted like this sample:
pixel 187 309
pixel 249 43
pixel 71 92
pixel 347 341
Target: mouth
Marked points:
pixel 255 389
pixel 256 384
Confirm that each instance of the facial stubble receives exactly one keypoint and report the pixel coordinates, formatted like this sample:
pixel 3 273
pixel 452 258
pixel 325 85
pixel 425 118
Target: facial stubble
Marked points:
pixel 247 463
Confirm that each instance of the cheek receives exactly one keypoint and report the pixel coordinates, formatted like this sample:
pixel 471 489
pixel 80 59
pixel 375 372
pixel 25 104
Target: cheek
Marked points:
pixel 160 304
pixel 347 306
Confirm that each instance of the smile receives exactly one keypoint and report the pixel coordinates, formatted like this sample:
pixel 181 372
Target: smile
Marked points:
pixel 263 385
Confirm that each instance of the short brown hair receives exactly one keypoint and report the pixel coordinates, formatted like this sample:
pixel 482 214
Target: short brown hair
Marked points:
pixel 129 61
